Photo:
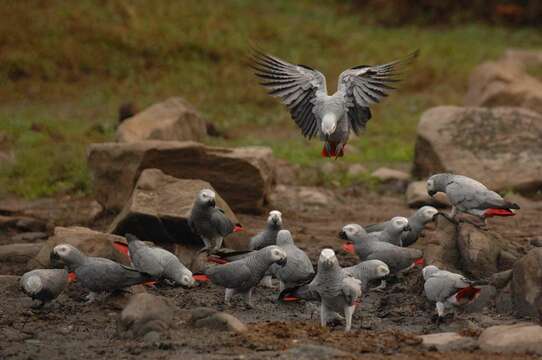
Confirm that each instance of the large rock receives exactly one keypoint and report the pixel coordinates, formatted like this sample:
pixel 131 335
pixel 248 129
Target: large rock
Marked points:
pixel 145 313
pixel 527 283
pixel 479 251
pixel 18 252
pixel 508 339
pixel 499 147
pixel 448 341
pixel 417 196
pixel 243 176
pixel 441 245
pixel 173 119
pixel 158 211
pixel 504 83
pixel 90 242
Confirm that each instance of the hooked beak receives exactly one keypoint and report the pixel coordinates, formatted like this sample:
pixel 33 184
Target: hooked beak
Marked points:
pixel 431 192
pixel 211 203
pixel 282 262
pixel 407 228
pixel 55 259
pixel 342 235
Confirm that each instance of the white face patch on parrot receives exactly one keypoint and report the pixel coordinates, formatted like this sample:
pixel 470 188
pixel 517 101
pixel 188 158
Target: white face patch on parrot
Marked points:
pixel 382 270
pixel 428 212
pixel 207 194
pixel 399 223
pixel 352 230
pixel 275 216
pixel 428 271
pixel 62 250
pixel 327 257
pixel 430 185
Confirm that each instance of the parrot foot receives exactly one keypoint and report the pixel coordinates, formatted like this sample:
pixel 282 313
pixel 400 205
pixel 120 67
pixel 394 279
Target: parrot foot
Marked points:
pixel 381 287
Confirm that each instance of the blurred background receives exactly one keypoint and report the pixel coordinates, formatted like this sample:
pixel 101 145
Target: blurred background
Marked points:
pixel 67 66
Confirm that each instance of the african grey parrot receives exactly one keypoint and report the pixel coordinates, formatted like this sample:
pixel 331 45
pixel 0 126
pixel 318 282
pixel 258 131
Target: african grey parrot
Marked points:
pixel 447 289
pixel 209 221
pixel 416 222
pixel 470 196
pixel 158 262
pixel 44 284
pixel 298 269
pixel 268 236
pixel 303 90
pixel 241 276
pixel 367 271
pixel 97 274
pixel 398 259
pixel 392 232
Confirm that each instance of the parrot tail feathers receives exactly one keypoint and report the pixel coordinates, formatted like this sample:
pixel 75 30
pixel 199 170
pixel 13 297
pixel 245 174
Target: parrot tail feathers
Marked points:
pixel 121 247
pixel 330 150
pixel 200 277
pixel 468 294
pixel 349 248
pixel 419 262
pixel 498 212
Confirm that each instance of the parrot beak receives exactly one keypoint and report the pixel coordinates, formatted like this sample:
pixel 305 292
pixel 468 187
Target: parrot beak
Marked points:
pixel 431 192
pixel 55 260
pixel 435 216
pixel 342 235
pixel 282 262
pixel 211 203
pixel 407 228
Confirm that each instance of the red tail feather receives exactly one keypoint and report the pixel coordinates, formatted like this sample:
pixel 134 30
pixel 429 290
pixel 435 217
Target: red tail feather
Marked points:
pixel 216 260
pixel 324 152
pixel 238 228
pixel 467 294
pixel 349 248
pixel 419 262
pixel 200 277
pixel 290 298
pixel 72 277
pixel 498 212
pixel 121 247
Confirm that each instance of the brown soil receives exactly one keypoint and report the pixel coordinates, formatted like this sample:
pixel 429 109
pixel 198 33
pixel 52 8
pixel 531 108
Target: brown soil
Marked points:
pixel 385 325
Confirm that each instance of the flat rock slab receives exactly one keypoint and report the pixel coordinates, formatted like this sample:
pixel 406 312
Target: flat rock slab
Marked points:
pixel 499 147
pixel 172 119
pixel 448 341
pixel 90 242
pixel 509 339
pixel 159 209
pixel 243 176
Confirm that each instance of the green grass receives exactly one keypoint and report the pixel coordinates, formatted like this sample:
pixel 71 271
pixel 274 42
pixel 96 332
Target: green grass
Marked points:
pixel 66 67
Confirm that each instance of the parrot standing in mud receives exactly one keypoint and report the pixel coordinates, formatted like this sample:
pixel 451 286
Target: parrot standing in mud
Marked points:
pixel 303 90
pixel 398 259
pixel 392 232
pixel 447 289
pixel 470 196
pixel 268 236
pixel 209 221
pixel 298 269
pixel 44 284
pixel 158 262
pixel 367 271
pixel 241 276
pixel 416 222
pixel 98 275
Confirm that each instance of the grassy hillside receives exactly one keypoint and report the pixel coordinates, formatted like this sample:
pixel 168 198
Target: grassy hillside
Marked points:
pixel 66 66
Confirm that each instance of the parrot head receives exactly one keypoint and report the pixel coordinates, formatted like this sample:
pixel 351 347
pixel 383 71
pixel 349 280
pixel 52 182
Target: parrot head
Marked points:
pixel 327 258
pixel 428 271
pixel 278 256
pixel 428 213
pixel 351 231
pixel 284 237
pixel 33 285
pixel 65 254
pixel 185 280
pixel 207 197
pixel 275 218
pixel 400 224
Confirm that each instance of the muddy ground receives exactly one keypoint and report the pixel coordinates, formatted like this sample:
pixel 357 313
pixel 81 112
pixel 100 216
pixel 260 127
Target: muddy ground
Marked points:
pixel 385 325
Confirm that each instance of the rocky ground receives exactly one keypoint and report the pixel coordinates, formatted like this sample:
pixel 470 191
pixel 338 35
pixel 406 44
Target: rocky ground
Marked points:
pixel 386 324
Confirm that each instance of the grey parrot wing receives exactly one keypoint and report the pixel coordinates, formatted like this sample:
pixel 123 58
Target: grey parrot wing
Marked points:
pixel 376 227
pixel 232 275
pixel 297 86
pixel 220 222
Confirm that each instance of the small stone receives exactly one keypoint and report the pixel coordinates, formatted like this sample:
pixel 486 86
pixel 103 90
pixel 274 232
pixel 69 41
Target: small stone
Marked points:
pixel 152 337
pixel 448 341
pixel 388 175
pixel 313 196
pixel 212 319
pixel 356 170
pixel 328 168
pixel 508 339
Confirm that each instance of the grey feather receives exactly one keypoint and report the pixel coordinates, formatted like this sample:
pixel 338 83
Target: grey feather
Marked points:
pixel 298 268
pixel 44 284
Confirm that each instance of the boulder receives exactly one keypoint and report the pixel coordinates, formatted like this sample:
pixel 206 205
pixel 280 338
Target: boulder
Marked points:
pixel 441 245
pixel 158 211
pixel 527 283
pixel 243 176
pixel 384 175
pixel 173 119
pixel 448 341
pixel 216 320
pixel 417 196
pixel 143 314
pixel 502 149
pixel 509 339
pixel 90 242
pixel 504 83
pixel 18 253
pixel 479 251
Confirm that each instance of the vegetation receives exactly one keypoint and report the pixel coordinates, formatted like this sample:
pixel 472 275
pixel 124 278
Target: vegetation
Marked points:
pixel 65 67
